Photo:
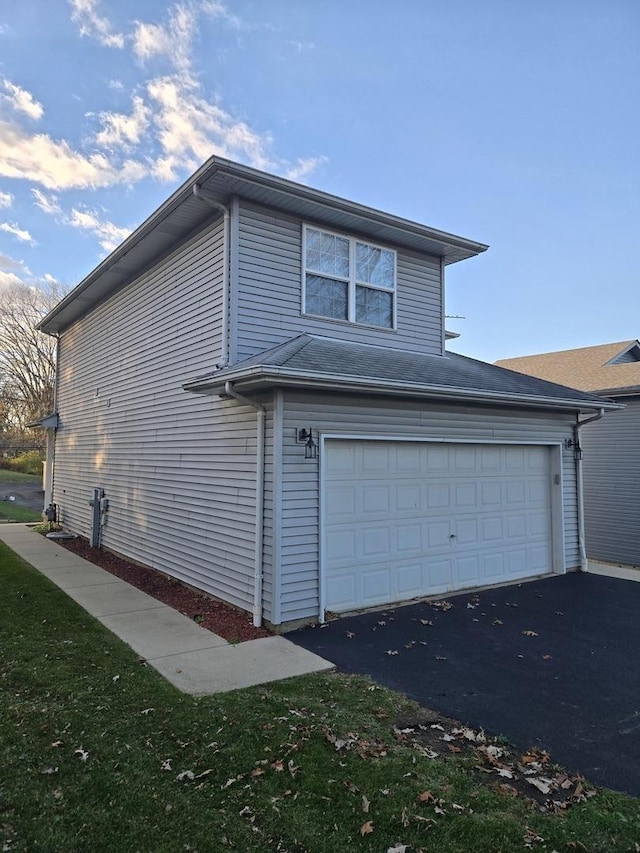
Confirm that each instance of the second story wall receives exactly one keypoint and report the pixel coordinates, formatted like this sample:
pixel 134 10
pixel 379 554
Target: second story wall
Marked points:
pixel 267 304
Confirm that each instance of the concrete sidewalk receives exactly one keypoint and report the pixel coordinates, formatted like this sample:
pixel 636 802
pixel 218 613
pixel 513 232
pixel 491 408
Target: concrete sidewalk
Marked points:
pixel 193 659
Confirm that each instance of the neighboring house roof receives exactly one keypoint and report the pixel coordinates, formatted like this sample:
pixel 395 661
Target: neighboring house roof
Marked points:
pixel 611 369
pixel 312 361
pixel 220 180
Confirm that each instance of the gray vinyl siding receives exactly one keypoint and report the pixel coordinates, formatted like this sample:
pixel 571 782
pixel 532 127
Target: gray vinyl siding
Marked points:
pixel 343 414
pixel 178 469
pixel 268 302
pixel 611 474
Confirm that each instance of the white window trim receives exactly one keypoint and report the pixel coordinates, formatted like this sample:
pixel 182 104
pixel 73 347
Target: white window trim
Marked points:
pixel 351 281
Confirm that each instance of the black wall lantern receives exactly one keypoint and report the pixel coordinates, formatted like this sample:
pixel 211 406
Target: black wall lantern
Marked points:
pixel 577 450
pixel 310 446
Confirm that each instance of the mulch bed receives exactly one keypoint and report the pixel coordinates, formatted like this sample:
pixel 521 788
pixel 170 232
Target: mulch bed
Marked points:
pixel 227 621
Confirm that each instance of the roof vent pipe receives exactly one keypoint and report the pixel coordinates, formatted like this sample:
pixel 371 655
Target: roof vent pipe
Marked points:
pixel 202 196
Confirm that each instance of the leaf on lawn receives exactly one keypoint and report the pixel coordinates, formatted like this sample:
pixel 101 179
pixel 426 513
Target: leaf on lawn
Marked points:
pixel 166 764
pixel 365 804
pixel 185 774
pixel 425 797
pixel 57 743
pixel 258 771
pixel 49 771
pixel 82 753
pixel 204 774
pixel 506 789
pixel 115 678
pixel 542 784
pixel 147 711
pixel 292 768
pixel 278 765
pixel 401 848
pixel 366 828
pixel 530 634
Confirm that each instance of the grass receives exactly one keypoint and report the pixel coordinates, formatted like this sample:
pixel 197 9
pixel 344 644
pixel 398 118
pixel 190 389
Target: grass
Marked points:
pixel 7 476
pixel 10 511
pixel 93 744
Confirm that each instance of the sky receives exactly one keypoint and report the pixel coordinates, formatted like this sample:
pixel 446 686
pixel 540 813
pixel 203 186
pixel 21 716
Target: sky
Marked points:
pixel 511 123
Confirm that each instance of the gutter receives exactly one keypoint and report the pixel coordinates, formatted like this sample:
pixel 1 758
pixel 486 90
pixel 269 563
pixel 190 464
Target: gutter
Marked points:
pixel 330 381
pixel 579 483
pixel 226 238
pixel 259 534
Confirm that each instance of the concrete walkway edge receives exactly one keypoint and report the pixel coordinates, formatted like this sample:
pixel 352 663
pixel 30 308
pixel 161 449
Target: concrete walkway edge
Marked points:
pixel 194 660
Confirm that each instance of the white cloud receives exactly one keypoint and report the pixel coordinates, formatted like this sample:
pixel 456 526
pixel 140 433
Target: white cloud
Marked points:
pixel 172 41
pixel 56 166
pixel 85 15
pixel 48 204
pixel 109 235
pixel 16 231
pixel 6 199
pixel 190 129
pixel 8 279
pixel 21 100
pixel 304 166
pixel 124 131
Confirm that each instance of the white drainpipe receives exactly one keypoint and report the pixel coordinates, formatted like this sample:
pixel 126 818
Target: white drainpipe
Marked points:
pixel 259 535
pixel 199 194
pixel 581 538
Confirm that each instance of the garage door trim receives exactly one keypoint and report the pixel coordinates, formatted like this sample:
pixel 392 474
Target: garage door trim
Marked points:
pixel 556 490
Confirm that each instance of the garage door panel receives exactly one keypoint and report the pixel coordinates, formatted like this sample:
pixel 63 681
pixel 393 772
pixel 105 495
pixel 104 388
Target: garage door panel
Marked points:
pixel 404 519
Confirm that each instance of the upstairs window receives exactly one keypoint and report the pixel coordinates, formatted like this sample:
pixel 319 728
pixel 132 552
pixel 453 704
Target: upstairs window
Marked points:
pixel 347 279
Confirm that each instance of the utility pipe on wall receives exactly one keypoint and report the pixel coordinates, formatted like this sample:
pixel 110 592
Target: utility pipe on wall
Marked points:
pixel 259 534
pixel 576 439
pixel 226 238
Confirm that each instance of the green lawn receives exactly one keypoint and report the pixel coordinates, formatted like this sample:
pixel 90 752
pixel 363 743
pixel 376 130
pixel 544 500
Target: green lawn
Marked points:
pixel 7 476
pixel 10 511
pixel 99 753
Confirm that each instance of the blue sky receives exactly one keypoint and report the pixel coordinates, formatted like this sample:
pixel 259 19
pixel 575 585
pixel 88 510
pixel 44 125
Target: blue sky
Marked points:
pixel 512 123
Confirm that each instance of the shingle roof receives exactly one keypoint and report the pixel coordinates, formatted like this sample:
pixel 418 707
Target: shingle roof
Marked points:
pixel 586 368
pixel 341 363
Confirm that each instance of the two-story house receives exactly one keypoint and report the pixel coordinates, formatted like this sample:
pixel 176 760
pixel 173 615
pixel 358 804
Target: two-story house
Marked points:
pixel 255 389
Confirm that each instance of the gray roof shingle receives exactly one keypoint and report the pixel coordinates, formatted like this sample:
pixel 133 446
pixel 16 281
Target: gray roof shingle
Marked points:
pixel 317 357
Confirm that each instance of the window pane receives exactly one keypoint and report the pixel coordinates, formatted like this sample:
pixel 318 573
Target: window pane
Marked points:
pixel 374 266
pixel 325 297
pixel 327 253
pixel 374 307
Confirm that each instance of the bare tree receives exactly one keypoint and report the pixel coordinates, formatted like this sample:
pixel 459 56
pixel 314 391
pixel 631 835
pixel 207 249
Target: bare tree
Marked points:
pixel 27 360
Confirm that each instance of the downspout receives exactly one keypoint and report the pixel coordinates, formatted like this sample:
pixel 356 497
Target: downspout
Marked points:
pixel 580 500
pixel 259 535
pixel 226 238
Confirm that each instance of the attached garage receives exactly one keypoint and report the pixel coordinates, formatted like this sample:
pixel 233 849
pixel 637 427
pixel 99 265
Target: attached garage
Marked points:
pixel 406 518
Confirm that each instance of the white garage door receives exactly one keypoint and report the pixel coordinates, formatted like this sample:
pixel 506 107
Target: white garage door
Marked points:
pixel 404 519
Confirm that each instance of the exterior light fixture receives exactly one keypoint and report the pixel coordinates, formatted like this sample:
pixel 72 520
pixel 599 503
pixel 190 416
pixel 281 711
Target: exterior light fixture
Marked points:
pixel 310 446
pixel 577 450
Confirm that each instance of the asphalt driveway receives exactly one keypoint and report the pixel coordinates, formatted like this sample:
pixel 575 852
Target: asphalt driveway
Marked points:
pixel 554 663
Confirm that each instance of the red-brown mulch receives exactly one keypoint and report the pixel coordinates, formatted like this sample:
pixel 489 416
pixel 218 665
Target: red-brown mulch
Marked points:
pixel 227 621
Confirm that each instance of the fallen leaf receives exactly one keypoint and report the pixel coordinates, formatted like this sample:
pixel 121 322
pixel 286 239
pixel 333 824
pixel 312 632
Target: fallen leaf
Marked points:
pixel 185 774
pixel 350 635
pixel 57 743
pixel 546 657
pixel 365 804
pixel 392 652
pixel 82 753
pixel 399 848
pixel 426 621
pixel 439 657
pixel 529 634
pixel 425 797
pixel 366 828
pixel 542 784
pixel 497 622
pixel 278 765
pixel 166 764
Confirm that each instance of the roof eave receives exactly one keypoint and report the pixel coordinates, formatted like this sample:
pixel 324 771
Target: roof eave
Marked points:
pixel 259 377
